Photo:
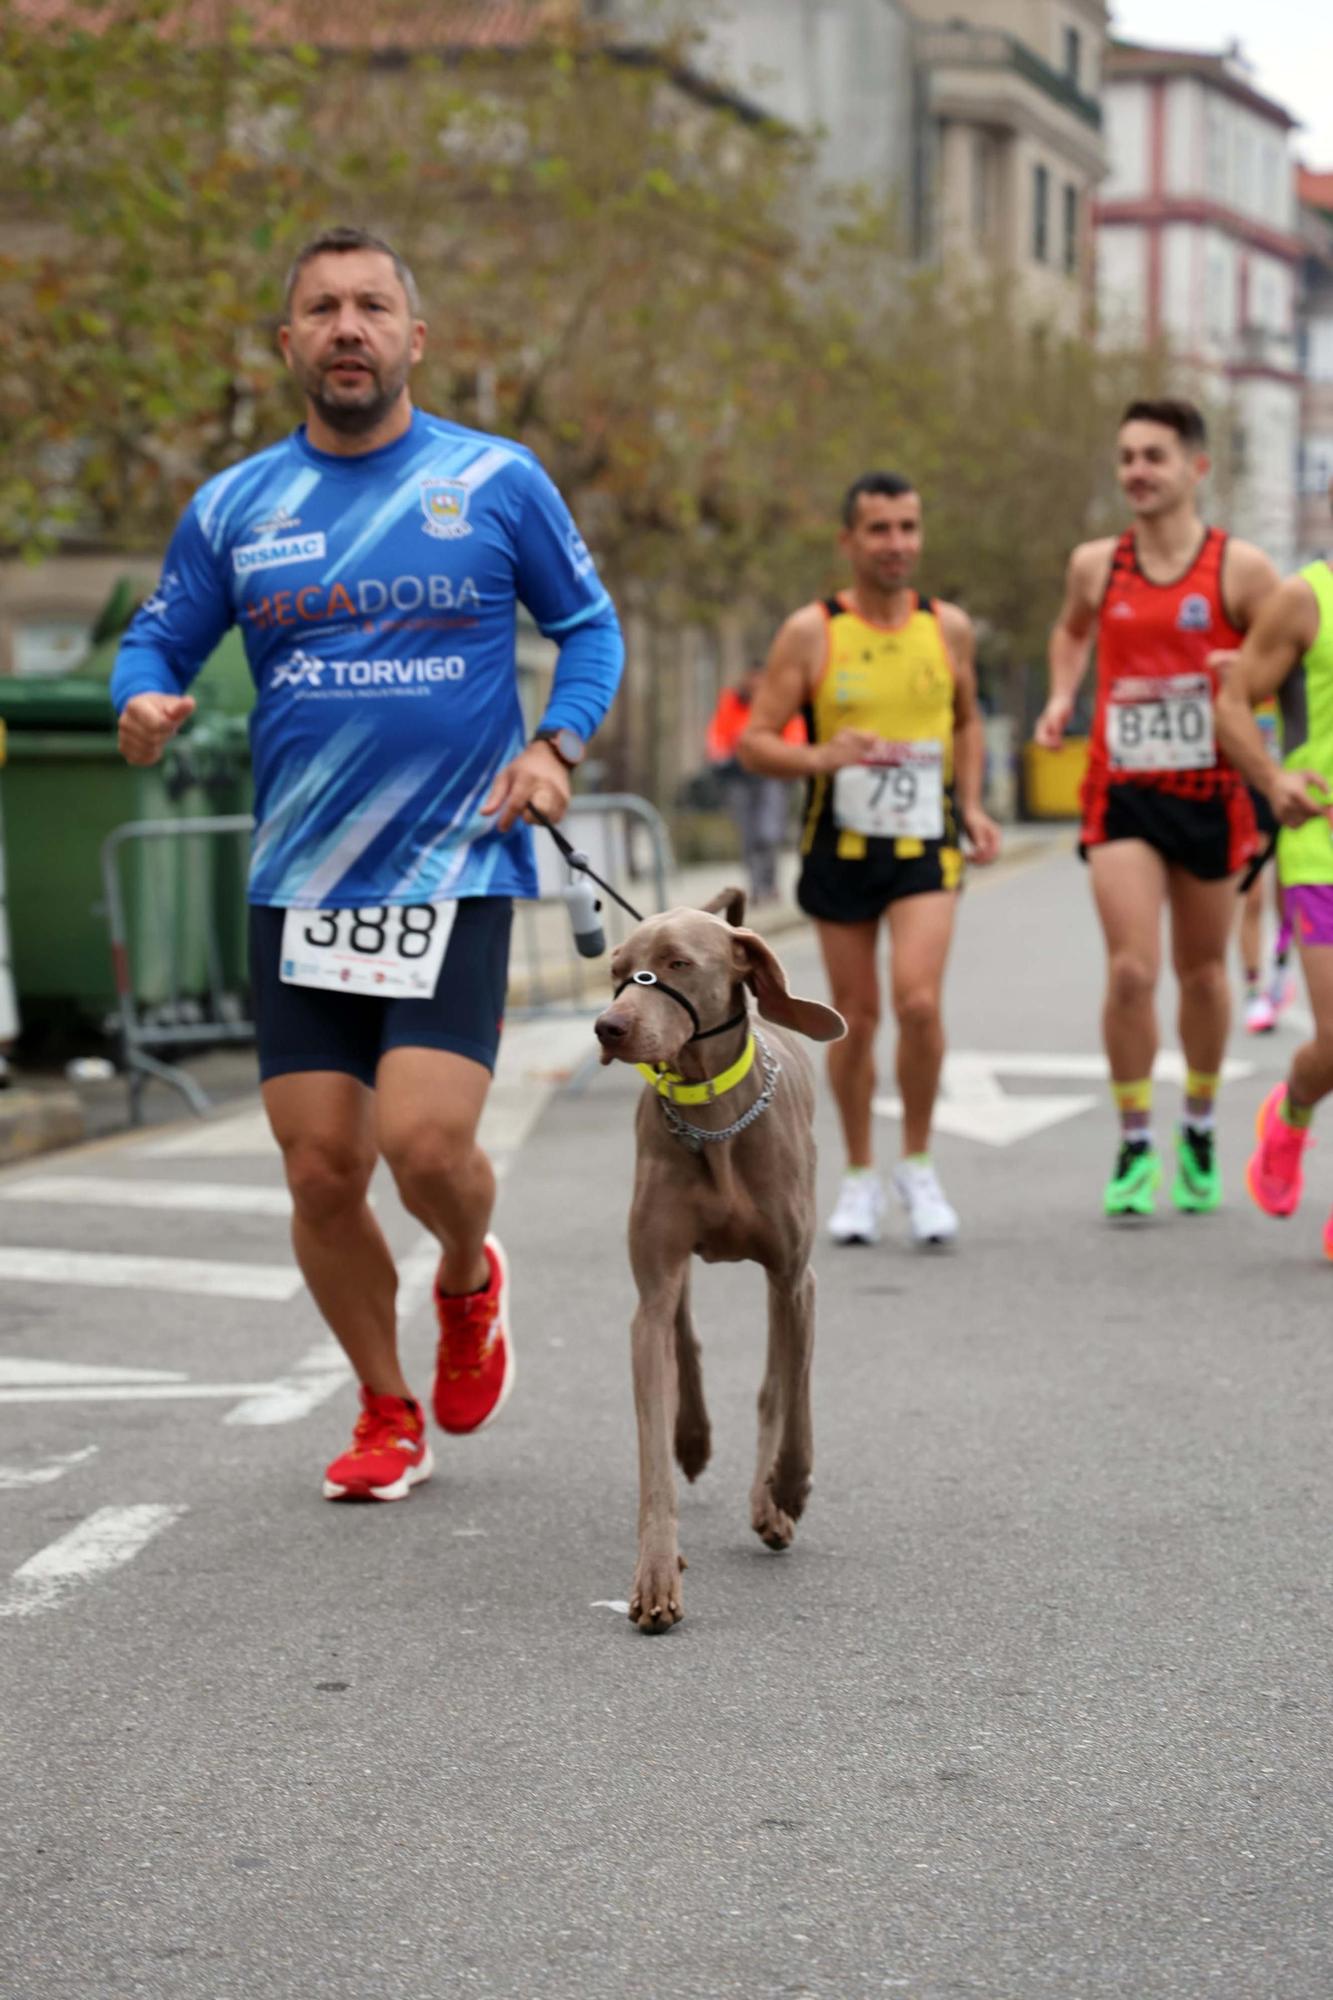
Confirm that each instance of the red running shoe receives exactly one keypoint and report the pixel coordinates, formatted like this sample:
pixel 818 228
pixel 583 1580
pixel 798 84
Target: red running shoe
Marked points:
pixel 474 1364
pixel 1276 1173
pixel 389 1453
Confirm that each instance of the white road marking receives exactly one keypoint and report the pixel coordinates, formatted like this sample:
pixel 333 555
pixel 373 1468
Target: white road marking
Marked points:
pixel 316 1376
pixel 611 1604
pixel 105 1541
pixel 15 1476
pixel 241 1133
pixel 146 1392
pixel 196 1275
pixel 47 1374
pixel 324 1370
pixel 972 1104
pixel 213 1197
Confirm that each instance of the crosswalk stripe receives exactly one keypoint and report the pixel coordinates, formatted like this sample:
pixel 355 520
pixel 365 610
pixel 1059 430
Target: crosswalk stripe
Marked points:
pixel 12 1477
pixel 211 1197
pixel 105 1541
pixel 121 1392
pixel 196 1275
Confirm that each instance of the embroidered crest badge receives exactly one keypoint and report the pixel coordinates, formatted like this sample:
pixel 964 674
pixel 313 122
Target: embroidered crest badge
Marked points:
pixel 444 504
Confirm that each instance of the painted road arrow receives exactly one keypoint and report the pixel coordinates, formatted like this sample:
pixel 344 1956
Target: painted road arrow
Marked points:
pixel 973 1105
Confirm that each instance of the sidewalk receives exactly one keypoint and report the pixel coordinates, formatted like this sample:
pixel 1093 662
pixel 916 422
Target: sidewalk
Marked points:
pixel 42 1112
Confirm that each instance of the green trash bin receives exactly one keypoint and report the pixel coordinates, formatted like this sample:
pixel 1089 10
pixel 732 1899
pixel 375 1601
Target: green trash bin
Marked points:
pixel 65 788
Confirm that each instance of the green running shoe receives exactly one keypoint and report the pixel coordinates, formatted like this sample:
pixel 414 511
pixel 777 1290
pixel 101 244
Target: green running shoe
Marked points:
pixel 1132 1188
pixel 1197 1188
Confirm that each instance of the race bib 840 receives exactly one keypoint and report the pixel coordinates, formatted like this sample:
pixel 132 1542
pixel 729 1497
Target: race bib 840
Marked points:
pixel 1161 725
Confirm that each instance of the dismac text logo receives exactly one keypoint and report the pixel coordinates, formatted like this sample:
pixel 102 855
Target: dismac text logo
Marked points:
pixel 272 555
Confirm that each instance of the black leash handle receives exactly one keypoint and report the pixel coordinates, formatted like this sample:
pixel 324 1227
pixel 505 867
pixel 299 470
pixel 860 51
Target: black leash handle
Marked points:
pixel 1257 866
pixel 581 864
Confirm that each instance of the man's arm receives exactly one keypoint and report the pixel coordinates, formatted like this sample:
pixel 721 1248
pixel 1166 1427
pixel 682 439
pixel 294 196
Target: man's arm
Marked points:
pixel 1071 638
pixel 1285 629
pixel 557 581
pixel 168 639
pixel 969 733
pixel 788 680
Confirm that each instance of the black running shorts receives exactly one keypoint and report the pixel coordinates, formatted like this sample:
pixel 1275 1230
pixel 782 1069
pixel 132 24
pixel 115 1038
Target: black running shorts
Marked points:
pixel 1208 838
pixel 311 1028
pixel 837 891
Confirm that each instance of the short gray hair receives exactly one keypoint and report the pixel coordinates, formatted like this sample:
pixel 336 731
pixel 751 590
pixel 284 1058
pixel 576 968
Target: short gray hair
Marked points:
pixel 342 239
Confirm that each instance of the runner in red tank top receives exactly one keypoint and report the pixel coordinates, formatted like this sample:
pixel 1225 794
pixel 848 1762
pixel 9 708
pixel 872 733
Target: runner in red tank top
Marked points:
pixel 1167 821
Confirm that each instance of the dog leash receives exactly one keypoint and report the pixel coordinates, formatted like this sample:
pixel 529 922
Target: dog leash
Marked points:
pixel 581 864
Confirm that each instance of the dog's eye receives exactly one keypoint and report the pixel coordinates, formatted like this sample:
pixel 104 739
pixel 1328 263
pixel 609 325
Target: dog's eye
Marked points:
pixel 679 965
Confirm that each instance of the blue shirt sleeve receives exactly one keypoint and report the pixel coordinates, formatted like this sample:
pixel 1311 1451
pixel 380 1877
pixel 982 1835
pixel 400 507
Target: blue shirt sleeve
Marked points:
pixel 559 584
pixel 174 631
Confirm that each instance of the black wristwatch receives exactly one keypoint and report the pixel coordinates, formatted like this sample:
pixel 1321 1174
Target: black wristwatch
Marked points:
pixel 567 744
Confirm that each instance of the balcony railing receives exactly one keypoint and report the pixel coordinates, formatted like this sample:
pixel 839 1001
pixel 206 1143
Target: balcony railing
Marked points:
pixel 962 46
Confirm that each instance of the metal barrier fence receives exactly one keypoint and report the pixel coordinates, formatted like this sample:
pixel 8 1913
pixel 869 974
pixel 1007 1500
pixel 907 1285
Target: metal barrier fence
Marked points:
pixel 178 930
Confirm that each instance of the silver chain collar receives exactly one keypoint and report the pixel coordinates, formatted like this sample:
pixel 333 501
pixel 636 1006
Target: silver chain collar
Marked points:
pixel 696 1138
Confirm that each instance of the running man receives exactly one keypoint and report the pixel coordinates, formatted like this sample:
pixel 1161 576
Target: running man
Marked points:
pixel 1267 996
pixel 1289 654
pixel 1167 822
pixel 895 763
pixel 374 560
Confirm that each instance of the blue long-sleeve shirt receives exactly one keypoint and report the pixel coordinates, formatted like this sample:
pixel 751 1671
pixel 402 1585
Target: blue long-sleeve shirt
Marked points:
pixel 377 598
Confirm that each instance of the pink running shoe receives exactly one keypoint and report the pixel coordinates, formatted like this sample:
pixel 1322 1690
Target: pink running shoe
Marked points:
pixel 1275 1174
pixel 1260 1014
pixel 1328 1238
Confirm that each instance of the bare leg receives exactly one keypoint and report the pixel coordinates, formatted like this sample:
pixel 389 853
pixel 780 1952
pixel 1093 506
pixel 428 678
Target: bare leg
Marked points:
pixel 428 1106
pixel 849 960
pixel 1201 919
pixel 1129 886
pixel 786 1446
pixel 921 929
pixel 324 1123
pixel 1250 932
pixel 1311 1075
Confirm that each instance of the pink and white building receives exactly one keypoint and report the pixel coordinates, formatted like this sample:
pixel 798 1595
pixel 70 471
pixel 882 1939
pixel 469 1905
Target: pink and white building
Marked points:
pixel 1197 244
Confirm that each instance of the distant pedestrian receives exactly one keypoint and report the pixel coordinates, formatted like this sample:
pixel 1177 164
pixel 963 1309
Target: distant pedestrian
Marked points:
pixel 758 804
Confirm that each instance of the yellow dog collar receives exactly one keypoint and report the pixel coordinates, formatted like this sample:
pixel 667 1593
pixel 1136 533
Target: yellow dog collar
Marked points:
pixel 670 1084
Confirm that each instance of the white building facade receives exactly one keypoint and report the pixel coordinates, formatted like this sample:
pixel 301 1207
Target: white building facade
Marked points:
pixel 1197 245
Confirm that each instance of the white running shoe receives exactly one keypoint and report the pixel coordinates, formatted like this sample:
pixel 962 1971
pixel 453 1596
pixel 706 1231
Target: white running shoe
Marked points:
pixel 930 1218
pixel 1260 1014
pixel 859 1211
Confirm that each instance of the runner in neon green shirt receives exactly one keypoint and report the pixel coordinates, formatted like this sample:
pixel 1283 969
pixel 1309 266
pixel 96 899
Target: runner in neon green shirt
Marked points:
pixel 1289 653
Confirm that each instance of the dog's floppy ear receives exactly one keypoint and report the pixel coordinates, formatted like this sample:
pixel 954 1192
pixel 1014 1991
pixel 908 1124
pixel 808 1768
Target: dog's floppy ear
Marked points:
pixel 729 904
pixel 758 966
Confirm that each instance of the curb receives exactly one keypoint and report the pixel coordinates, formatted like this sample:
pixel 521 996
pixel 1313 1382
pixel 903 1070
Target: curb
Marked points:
pixel 38 1121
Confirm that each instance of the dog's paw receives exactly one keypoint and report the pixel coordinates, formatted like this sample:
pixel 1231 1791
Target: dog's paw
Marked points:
pixel 777 1504
pixel 656 1603
pixel 773 1524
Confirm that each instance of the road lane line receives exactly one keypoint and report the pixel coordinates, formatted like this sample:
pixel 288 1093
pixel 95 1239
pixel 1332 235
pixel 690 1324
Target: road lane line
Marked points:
pixel 275 1283
pixel 107 1540
pixel 244 1132
pixel 12 1477
pixel 148 1392
pixel 213 1197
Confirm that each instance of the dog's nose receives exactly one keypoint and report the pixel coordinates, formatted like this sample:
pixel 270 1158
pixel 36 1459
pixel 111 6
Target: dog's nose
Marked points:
pixel 611 1028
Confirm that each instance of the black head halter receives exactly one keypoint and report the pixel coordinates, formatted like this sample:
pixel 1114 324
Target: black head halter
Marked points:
pixel 701 1034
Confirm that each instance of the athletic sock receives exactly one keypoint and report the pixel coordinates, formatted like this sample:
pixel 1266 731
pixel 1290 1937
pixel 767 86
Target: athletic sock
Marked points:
pixel 1298 1116
pixel 1134 1103
pixel 1199 1121
pixel 1200 1096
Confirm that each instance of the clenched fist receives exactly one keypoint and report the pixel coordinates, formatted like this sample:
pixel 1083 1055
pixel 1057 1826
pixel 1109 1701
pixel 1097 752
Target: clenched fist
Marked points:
pixel 149 721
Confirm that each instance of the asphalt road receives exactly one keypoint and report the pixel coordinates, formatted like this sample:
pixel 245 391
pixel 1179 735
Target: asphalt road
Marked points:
pixel 1037 1706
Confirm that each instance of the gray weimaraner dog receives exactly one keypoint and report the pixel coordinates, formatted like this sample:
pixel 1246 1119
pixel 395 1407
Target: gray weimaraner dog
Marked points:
pixel 725 1171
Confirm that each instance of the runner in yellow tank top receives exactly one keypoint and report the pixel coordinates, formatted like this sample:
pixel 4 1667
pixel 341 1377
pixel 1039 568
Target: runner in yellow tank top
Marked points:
pixel 894 764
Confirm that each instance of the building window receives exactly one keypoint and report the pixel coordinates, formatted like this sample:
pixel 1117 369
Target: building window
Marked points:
pixel 1073 55
pixel 1041 196
pixel 1071 227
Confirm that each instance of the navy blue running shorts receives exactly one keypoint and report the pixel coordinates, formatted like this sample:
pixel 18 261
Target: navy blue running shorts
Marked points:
pixel 312 1028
